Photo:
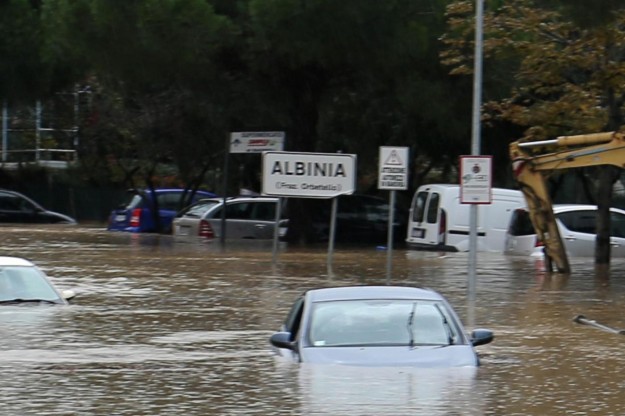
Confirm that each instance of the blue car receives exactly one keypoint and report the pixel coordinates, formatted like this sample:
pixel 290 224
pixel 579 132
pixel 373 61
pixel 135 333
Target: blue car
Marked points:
pixel 135 215
pixel 378 326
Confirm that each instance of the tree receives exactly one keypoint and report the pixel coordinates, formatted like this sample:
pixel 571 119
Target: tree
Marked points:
pixel 159 95
pixel 349 76
pixel 566 79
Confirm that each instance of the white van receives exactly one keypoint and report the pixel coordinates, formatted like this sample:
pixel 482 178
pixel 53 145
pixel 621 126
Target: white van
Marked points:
pixel 438 221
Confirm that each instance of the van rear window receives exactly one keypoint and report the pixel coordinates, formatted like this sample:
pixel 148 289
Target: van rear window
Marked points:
pixel 418 207
pixel 433 208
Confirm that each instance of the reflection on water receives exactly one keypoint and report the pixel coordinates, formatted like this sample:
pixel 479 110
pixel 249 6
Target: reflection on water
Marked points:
pixel 161 326
pixel 328 389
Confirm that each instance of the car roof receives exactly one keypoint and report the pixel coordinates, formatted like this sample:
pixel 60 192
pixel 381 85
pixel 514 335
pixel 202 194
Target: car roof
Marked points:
pixel 240 198
pixel 14 261
pixel 371 292
pixel 557 208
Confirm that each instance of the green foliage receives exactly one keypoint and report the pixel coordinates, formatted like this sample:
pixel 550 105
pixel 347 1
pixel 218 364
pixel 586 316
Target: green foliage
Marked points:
pixel 566 79
pixel 21 68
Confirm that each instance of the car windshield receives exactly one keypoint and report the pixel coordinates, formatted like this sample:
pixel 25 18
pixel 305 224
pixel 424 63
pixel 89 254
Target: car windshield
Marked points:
pixel 199 209
pixel 381 323
pixel 25 283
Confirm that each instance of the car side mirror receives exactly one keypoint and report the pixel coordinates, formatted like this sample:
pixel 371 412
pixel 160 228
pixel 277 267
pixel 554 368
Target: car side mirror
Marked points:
pixel 68 294
pixel 282 340
pixel 481 337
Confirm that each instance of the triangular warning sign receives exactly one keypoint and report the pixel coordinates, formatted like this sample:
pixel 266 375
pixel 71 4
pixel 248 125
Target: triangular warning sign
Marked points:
pixel 393 159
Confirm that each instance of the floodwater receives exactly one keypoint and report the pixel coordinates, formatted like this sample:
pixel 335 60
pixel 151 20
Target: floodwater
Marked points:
pixel 163 327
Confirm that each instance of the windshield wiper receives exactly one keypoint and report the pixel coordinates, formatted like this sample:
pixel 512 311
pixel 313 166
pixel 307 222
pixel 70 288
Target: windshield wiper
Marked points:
pixel 14 301
pixel 450 336
pixel 410 322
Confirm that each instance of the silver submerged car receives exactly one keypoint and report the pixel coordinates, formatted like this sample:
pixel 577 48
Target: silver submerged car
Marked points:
pixel 251 218
pixel 22 282
pixel 576 223
pixel 377 326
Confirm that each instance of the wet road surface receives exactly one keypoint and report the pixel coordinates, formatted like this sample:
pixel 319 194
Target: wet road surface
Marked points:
pixel 161 326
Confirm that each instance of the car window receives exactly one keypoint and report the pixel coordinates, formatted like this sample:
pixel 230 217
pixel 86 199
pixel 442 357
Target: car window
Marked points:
pixel 433 208
pixel 136 201
pixel 579 221
pixel 419 207
pixel 169 200
pixel 264 211
pixel 9 202
pixel 617 224
pixel 380 322
pixel 294 317
pixel 239 211
pixel 24 283
pixel 520 223
pixel 376 210
pixel 197 210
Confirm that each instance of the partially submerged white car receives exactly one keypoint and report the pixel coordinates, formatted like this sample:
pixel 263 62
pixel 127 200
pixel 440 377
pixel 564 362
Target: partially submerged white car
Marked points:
pixel 23 282
pixel 577 225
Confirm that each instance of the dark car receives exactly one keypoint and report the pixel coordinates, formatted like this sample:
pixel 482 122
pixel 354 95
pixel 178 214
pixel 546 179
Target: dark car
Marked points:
pixel 135 214
pixel 19 209
pixel 377 326
pixel 360 219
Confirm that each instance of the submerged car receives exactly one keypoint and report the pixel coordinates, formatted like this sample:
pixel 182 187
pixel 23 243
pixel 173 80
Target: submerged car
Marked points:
pixel 135 214
pixel 251 218
pixel 377 326
pixel 577 225
pixel 360 219
pixel 23 282
pixel 19 209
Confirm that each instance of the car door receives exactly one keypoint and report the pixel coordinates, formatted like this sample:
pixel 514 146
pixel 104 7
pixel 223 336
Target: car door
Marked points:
pixel 238 218
pixel 577 229
pixel 617 233
pixel 262 220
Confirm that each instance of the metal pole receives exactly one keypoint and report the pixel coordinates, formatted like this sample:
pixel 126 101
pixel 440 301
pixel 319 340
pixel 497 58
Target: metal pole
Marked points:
pixel 389 244
pixel 332 231
pixel 37 129
pixel 276 230
pixel 222 236
pixel 475 150
pixel 5 130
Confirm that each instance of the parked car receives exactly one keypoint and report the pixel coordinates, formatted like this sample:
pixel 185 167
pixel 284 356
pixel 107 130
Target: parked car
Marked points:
pixel 23 282
pixel 18 208
pixel 359 219
pixel 577 225
pixel 135 214
pixel 377 326
pixel 246 218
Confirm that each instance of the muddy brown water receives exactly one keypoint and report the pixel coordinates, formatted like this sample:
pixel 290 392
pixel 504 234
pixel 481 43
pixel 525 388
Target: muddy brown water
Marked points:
pixel 162 326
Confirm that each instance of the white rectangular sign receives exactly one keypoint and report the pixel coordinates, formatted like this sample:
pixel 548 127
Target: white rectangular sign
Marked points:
pixel 475 179
pixel 393 168
pixel 308 175
pixel 256 141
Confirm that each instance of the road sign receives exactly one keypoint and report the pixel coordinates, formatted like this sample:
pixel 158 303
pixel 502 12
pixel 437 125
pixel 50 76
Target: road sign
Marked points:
pixel 393 168
pixel 475 179
pixel 308 175
pixel 256 141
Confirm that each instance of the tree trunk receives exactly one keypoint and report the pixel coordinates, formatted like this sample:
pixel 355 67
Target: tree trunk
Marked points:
pixel 607 176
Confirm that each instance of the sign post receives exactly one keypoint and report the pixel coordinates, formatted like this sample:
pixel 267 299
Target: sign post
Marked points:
pixel 475 189
pixel 247 142
pixel 310 175
pixel 392 175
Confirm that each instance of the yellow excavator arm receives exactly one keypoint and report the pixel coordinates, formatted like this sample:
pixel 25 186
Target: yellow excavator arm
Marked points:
pixel 533 161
